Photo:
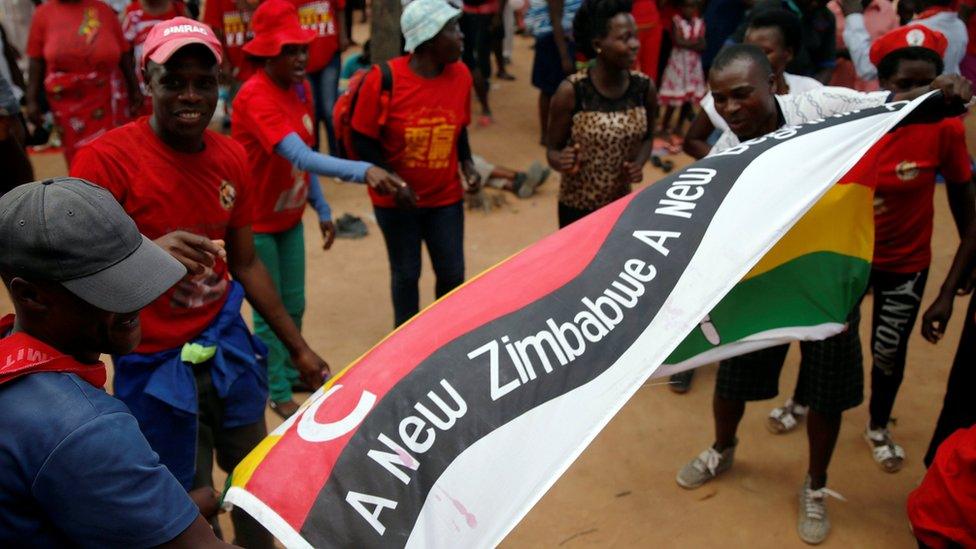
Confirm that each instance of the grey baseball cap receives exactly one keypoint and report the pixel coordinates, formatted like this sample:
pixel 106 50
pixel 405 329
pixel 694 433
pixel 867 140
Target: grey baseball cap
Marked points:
pixel 70 231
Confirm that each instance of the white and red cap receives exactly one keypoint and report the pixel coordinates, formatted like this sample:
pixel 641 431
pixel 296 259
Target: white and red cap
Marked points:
pixel 169 36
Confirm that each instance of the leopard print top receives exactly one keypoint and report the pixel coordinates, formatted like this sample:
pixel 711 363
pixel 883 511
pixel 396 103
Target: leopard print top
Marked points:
pixel 609 131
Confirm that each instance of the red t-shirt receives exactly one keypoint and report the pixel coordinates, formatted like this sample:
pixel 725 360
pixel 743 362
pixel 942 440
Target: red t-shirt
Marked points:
pixel 235 22
pixel 164 190
pixel 76 37
pixel 419 138
pixel 136 24
pixel 320 16
pixel 263 115
pixel 908 160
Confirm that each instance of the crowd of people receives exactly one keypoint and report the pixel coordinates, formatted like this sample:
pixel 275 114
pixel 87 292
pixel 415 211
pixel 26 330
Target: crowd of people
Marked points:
pixel 186 221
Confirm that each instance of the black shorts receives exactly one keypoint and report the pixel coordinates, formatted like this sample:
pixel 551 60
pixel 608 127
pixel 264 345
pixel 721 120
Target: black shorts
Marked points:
pixel 547 67
pixel 831 377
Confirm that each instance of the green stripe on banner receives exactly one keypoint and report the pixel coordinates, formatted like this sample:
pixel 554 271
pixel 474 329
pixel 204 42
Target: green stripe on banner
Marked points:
pixel 803 292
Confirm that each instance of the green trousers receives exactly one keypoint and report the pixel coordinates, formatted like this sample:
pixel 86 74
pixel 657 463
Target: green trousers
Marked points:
pixel 283 254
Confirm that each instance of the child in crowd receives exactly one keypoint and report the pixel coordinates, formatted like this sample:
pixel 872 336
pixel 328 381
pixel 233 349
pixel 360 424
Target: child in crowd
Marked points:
pixel 683 83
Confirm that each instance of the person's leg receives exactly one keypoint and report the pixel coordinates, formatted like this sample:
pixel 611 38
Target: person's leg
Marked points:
pixel 442 229
pixel 754 376
pixel 315 80
pixel 897 299
pixel 401 232
pixel 329 93
pixel 831 380
pixel 208 416
pixel 959 406
pixel 291 261
pixel 279 386
pixel 233 444
pixel 482 74
pixel 544 101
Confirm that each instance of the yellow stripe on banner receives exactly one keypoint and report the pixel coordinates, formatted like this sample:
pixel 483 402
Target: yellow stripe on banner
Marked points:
pixel 842 221
pixel 247 466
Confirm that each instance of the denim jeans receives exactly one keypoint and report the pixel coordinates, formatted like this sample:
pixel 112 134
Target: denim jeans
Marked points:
pixel 325 90
pixel 442 229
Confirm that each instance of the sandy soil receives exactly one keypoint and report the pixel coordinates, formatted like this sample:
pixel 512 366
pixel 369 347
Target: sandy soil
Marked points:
pixel 621 492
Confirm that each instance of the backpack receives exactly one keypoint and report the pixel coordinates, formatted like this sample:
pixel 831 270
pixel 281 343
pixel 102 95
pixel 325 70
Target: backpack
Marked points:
pixel 345 106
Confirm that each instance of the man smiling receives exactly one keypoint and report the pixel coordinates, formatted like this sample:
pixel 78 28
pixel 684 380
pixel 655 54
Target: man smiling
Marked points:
pixel 197 383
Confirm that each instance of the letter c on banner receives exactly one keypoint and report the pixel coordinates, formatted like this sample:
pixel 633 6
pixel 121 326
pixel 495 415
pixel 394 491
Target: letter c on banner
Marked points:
pixel 314 431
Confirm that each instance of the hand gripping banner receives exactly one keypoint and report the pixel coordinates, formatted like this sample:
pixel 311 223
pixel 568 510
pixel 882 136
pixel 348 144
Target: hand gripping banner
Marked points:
pixel 447 432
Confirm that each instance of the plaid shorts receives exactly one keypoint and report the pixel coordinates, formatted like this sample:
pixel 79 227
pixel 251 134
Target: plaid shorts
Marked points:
pixel 831 377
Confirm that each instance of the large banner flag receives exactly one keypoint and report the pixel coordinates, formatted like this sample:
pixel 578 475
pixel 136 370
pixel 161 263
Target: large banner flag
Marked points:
pixel 447 432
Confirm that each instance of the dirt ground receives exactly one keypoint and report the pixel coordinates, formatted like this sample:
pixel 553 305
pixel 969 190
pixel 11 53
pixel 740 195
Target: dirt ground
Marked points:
pixel 621 492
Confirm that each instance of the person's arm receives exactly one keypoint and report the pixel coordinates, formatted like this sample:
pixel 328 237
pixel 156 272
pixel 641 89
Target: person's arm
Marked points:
pixel 937 316
pixel 858 39
pixel 316 199
pixel 559 35
pixel 123 479
pixel 246 267
pixel 340 18
pixel 294 150
pixel 371 151
pixel 561 155
pixel 962 204
pixel 198 534
pixel 696 139
pixel 954 88
pixel 472 180
pixel 35 83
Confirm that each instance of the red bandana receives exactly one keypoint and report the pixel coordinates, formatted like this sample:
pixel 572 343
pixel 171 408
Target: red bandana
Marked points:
pixel 21 354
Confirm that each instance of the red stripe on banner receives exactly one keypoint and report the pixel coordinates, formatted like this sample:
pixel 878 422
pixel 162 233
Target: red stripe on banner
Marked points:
pixel 537 271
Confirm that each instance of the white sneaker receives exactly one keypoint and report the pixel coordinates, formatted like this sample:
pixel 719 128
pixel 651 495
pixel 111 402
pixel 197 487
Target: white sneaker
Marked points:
pixel 708 465
pixel 786 417
pixel 812 523
pixel 888 455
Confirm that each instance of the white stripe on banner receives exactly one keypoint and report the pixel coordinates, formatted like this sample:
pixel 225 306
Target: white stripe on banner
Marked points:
pixel 487 490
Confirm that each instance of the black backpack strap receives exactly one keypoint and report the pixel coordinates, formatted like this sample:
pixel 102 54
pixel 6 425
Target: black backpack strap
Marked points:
pixel 386 77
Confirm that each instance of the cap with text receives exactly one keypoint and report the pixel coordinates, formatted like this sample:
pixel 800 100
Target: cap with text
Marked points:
pixel 70 231
pixel 167 37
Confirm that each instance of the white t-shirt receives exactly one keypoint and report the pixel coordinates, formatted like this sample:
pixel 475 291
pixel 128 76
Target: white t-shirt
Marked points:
pixel 798 84
pixel 814 105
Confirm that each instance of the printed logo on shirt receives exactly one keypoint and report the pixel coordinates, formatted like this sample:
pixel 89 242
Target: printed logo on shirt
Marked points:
pixel 307 121
pixel 228 194
pixel 906 170
pixel 317 16
pixel 294 197
pixel 198 291
pixel 89 25
pixel 236 31
pixel 429 140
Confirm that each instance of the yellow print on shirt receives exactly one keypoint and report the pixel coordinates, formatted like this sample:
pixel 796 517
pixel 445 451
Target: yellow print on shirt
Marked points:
pixel 429 142
pixel 89 25
pixel 317 17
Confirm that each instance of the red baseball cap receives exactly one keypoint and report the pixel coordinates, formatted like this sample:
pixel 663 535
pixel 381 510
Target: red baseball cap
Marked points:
pixel 906 37
pixel 274 24
pixel 169 36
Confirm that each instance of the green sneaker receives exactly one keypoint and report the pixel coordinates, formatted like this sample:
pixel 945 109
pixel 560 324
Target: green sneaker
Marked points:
pixel 708 465
pixel 812 523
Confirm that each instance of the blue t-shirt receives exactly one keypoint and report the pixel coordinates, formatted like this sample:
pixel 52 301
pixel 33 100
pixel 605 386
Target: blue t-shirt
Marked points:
pixel 75 470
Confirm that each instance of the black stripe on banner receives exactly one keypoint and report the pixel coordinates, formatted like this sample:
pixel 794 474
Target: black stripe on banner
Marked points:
pixel 446 403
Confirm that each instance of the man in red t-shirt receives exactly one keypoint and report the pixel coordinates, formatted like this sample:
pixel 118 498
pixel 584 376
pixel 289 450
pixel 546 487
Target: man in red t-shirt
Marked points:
pixel 189 190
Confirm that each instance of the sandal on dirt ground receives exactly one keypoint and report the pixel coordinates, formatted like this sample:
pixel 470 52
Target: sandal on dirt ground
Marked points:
pixel 785 418
pixel 888 455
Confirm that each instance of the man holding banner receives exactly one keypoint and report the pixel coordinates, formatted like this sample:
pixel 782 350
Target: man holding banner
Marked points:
pixel 831 372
